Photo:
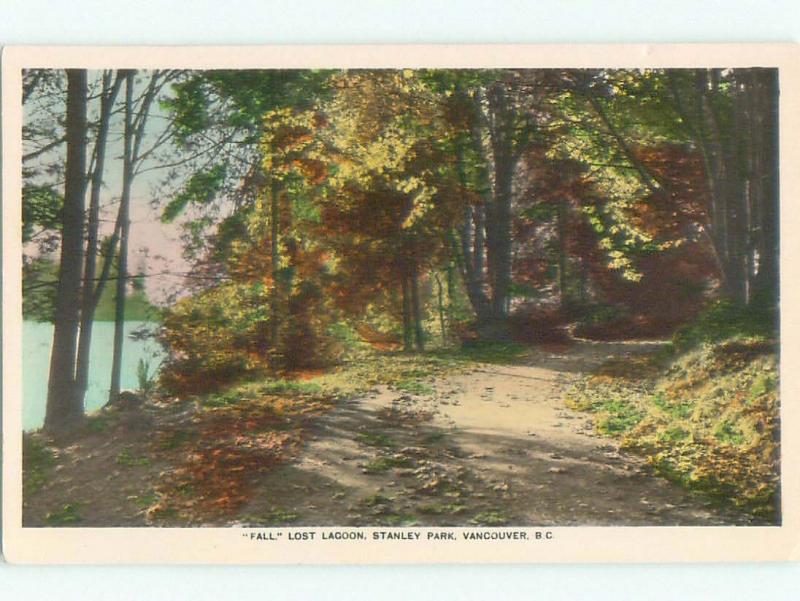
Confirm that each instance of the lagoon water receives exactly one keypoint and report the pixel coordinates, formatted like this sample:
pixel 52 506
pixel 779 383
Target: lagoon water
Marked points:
pixel 37 339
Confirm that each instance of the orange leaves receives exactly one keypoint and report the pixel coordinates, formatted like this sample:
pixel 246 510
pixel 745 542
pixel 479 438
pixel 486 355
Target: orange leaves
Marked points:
pixel 288 137
pixel 287 141
pixel 681 205
pixel 307 374
pixel 315 171
pixel 215 476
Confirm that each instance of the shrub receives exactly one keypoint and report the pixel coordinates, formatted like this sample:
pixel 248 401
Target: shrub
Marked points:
pixel 725 319
pixel 145 378
pixel 213 337
pixel 218 335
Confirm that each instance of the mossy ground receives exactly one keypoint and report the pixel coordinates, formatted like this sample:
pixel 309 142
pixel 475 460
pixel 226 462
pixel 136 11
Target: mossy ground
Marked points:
pixel 708 418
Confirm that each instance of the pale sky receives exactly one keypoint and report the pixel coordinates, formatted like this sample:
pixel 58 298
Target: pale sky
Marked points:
pixel 150 239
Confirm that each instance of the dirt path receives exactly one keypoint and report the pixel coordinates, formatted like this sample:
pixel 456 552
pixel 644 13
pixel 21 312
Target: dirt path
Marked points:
pixel 495 446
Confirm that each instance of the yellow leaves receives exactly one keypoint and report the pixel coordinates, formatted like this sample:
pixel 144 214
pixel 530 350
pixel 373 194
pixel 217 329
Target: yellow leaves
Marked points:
pixel 287 133
pixel 632 276
pixel 709 430
pixel 421 204
pixel 410 184
pixel 366 136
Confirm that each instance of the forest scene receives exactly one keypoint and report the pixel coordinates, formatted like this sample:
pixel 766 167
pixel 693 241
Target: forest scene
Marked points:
pixel 400 297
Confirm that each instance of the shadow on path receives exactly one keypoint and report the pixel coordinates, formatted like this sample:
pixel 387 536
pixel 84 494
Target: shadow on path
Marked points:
pixel 495 446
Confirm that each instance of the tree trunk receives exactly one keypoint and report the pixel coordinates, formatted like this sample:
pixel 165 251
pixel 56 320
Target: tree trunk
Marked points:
pixel 419 335
pixel 721 144
pixel 275 260
pixel 473 277
pixel 471 255
pixel 440 298
pixel 125 225
pixel 738 151
pixel 498 216
pixel 88 303
pixel 64 406
pixel 561 225
pixel 765 285
pixel 408 336
pixel 108 258
pixel 694 116
pixel 450 288
pixel 478 251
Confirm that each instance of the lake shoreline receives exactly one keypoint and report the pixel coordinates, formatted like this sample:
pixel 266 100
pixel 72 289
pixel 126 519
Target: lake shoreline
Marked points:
pixel 37 339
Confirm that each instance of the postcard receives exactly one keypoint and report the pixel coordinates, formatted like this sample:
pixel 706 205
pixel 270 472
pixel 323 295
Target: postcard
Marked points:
pixel 400 304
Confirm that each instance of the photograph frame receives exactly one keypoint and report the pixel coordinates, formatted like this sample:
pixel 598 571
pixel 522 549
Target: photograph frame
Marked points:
pixel 541 545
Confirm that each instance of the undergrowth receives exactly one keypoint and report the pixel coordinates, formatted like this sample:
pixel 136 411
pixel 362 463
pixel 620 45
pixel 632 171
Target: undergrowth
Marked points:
pixel 724 320
pixel 705 415
pixel 366 368
pixel 37 461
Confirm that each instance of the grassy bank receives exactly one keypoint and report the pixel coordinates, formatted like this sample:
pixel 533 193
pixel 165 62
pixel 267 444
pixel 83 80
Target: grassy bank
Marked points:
pixel 705 414
pixel 192 460
pixel 365 368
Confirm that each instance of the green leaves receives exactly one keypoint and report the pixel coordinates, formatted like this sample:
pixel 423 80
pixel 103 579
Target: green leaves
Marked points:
pixel 200 189
pixel 189 106
pixel 41 207
pixel 707 418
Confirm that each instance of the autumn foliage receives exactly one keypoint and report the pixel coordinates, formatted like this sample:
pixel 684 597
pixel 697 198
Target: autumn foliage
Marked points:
pixel 432 207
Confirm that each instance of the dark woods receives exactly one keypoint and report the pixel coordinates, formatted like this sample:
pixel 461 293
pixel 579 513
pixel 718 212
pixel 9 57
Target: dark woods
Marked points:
pixel 407 209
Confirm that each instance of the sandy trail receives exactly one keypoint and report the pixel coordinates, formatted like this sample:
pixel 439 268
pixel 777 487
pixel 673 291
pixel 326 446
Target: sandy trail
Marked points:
pixel 496 446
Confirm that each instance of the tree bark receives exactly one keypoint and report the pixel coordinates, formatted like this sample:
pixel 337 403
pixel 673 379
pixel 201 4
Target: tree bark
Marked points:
pixel 125 224
pixel 765 284
pixel 419 334
pixel 408 336
pixel 741 157
pixel 711 133
pixel 498 216
pixel 692 113
pixel 134 135
pixel 88 302
pixel 275 261
pixel 726 178
pixel 738 152
pixel 479 248
pixel 440 298
pixel 561 226
pixel 64 406
pixel 473 278
pixel 470 259
pixel 108 258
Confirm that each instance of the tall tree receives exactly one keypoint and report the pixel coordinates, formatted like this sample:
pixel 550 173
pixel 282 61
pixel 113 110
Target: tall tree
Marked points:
pixel 387 200
pixel 92 289
pixel 496 117
pixel 125 226
pixel 64 404
pixel 465 115
pixel 732 117
pixel 135 133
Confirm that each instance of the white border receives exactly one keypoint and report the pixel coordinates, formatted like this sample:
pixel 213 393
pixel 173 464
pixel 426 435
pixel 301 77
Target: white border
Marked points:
pixel 221 545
